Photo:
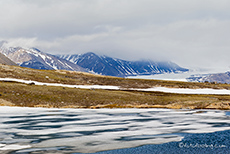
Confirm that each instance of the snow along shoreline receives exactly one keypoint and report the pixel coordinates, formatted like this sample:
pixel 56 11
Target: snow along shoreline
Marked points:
pixel 106 87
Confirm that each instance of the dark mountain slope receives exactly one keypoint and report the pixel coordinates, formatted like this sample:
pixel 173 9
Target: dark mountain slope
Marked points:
pixel 116 67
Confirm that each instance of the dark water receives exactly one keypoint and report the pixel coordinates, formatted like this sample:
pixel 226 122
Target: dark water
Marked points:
pixel 36 130
pixel 204 143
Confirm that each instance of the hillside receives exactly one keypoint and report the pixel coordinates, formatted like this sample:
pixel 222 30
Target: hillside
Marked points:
pixel 5 60
pixel 31 95
pixel 116 67
pixel 34 58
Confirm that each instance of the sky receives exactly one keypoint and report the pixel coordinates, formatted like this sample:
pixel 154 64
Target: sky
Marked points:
pixel 191 33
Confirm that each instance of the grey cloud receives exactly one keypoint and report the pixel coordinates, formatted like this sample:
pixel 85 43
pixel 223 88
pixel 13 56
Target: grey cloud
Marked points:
pixel 191 33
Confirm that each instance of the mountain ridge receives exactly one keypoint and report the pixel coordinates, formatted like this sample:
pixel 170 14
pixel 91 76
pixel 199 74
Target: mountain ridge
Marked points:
pixel 34 58
pixel 106 65
pixel 87 62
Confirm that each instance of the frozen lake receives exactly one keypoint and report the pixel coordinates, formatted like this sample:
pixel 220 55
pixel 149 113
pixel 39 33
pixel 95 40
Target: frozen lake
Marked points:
pixel 42 130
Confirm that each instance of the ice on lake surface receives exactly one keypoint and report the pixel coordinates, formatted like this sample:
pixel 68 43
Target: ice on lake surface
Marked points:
pixel 32 130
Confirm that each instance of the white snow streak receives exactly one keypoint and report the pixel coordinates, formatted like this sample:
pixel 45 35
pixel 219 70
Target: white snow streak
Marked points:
pixel 188 91
pixel 61 85
pixel 109 87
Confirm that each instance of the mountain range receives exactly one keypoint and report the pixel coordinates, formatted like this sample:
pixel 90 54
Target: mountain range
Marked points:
pixel 116 67
pixel 88 62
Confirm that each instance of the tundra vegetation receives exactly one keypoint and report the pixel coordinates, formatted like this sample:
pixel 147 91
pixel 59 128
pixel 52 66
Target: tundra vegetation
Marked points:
pixel 30 95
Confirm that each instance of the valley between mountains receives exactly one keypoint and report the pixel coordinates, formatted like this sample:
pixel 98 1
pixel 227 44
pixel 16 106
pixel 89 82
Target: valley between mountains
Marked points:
pixel 14 93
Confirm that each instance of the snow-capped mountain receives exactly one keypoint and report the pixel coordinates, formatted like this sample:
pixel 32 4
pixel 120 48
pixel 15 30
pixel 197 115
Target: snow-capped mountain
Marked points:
pixel 116 67
pixel 88 62
pixel 5 60
pixel 213 78
pixel 33 58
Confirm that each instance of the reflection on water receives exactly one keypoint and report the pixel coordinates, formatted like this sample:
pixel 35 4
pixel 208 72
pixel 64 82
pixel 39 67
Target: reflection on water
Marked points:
pixel 33 130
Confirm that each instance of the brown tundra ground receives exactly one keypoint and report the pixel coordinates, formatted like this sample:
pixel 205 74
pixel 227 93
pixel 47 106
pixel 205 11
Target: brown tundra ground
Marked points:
pixel 19 94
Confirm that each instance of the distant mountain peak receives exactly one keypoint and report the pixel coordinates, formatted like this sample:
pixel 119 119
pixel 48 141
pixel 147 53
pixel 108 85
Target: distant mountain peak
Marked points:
pixel 35 49
pixel 90 53
pixel 212 78
pixel 34 58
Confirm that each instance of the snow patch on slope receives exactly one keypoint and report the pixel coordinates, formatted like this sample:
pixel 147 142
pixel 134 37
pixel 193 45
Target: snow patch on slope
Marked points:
pixel 109 87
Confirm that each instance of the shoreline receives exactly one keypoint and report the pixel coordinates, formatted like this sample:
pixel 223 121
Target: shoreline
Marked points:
pixel 218 107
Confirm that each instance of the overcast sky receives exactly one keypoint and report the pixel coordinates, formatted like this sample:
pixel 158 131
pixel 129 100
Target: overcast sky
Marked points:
pixel 191 33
